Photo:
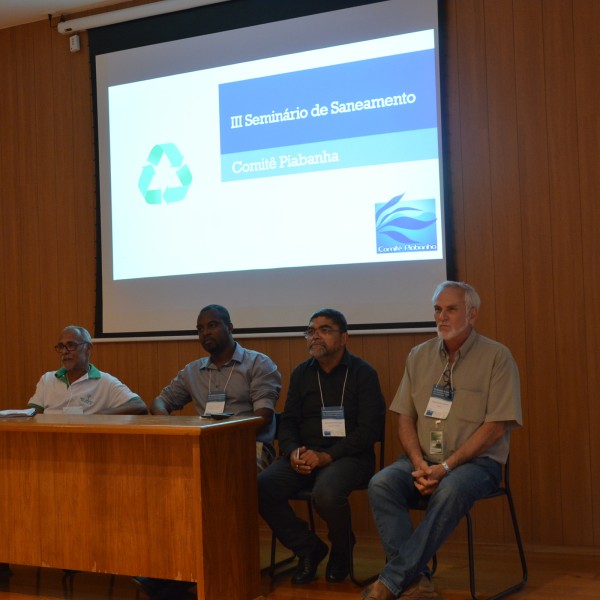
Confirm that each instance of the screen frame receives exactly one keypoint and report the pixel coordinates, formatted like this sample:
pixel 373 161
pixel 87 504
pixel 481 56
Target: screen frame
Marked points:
pixel 228 16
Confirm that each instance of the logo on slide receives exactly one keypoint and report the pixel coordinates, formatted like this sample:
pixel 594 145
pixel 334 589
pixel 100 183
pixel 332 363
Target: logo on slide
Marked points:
pixel 165 177
pixel 408 226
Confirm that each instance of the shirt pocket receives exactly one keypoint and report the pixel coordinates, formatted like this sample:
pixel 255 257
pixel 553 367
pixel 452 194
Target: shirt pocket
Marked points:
pixel 469 406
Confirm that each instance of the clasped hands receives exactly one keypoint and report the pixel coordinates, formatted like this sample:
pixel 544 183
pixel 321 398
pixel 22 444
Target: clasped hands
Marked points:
pixel 427 478
pixel 305 461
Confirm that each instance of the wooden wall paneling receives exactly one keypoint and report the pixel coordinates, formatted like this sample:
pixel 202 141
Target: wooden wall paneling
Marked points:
pixel 541 362
pixel 28 240
pixel 84 200
pixel 125 363
pixel 7 75
pixel 568 271
pixel 355 344
pixel 298 352
pixel 475 153
pixel 509 302
pixel 452 115
pixel 586 16
pixel 278 349
pixel 51 244
pixel 187 351
pixel 104 356
pixel 375 351
pixel 13 190
pixel 146 380
pixel 167 366
pixel 66 173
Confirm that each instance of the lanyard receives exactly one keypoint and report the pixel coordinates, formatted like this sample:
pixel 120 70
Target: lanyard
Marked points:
pixel 321 389
pixel 226 383
pixel 447 380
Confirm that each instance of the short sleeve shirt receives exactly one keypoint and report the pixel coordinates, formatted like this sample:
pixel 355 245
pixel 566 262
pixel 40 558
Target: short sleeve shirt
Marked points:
pixel 93 392
pixel 486 386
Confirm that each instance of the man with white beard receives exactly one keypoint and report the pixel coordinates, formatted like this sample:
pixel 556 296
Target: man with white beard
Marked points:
pixel 457 403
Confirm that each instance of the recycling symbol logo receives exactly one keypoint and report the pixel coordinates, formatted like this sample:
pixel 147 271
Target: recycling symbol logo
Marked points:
pixel 181 173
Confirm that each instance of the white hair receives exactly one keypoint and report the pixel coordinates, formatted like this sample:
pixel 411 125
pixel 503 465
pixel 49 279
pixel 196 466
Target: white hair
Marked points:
pixel 82 332
pixel 472 299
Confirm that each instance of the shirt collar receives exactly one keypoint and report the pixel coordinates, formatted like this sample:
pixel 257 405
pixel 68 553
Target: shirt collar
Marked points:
pixel 463 350
pixel 93 373
pixel 237 357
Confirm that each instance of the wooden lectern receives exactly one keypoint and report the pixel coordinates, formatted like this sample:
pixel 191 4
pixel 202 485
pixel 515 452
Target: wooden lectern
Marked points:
pixel 170 497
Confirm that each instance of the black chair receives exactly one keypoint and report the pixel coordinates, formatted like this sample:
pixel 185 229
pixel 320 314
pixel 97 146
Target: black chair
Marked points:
pixel 306 496
pixel 503 490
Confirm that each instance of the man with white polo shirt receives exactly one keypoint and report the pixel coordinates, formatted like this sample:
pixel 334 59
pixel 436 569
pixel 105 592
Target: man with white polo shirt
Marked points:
pixel 79 388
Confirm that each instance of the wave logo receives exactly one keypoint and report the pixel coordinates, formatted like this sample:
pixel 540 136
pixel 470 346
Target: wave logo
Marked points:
pixel 405 226
pixel 165 177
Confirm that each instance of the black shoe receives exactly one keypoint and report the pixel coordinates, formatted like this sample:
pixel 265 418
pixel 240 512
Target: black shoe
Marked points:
pixel 337 569
pixel 307 567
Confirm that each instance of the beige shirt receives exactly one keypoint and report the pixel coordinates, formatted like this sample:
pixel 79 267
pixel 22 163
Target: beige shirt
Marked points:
pixel 486 386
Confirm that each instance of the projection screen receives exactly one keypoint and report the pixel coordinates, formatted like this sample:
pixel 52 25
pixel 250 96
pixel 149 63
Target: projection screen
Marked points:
pixel 275 160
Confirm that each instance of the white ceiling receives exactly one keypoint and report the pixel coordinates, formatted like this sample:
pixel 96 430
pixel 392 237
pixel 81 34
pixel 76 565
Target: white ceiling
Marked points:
pixel 18 12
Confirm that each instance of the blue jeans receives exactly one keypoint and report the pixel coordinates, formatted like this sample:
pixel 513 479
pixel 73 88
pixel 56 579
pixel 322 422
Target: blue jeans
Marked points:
pixel 392 493
pixel 331 487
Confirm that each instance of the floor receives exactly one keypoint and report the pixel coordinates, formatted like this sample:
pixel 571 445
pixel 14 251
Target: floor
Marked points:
pixel 552 576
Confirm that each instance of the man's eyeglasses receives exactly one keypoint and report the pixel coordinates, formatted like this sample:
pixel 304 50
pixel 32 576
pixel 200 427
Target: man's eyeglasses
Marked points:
pixel 69 346
pixel 447 380
pixel 311 331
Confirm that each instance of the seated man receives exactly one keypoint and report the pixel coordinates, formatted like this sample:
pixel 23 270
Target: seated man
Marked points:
pixel 79 387
pixel 233 379
pixel 458 401
pixel 333 416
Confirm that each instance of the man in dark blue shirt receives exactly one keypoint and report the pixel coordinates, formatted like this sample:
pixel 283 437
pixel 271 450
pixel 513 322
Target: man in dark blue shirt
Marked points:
pixel 334 414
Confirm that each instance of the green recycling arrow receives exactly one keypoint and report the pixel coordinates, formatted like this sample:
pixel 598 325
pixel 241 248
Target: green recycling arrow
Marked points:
pixel 170 194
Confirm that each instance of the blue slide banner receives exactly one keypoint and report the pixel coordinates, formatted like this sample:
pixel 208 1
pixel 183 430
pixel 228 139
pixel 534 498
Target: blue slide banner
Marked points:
pixel 363 98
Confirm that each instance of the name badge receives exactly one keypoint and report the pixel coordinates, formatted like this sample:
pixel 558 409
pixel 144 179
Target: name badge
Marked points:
pixel 333 423
pixel 215 403
pixel 440 402
pixel 73 410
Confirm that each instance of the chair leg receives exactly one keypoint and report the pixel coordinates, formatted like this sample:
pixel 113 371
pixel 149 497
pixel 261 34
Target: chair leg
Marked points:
pixel 434 565
pixel 274 565
pixel 358 582
pixel 513 588
pixel 311 515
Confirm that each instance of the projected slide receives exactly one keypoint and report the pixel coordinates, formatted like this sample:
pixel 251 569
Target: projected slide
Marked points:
pixel 315 158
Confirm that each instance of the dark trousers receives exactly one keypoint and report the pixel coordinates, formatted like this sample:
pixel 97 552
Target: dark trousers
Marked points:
pixel 331 487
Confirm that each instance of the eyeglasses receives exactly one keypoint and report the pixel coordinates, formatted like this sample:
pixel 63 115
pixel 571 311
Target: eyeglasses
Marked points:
pixel 447 380
pixel 69 346
pixel 311 331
